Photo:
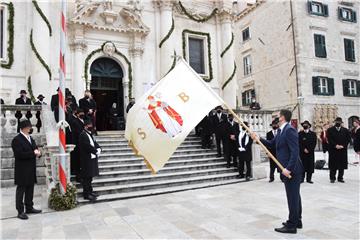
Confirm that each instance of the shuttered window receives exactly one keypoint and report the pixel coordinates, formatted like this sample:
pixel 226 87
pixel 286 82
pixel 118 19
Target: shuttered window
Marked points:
pixel 323 86
pixel 247 96
pixel 349 50
pixel 247 65
pixel 351 87
pixel 347 14
pixel 318 8
pixel 196 54
pixel 320 46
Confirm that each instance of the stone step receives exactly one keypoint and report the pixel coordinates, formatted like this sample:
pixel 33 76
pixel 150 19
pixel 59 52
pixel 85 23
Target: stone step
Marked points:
pixel 122 138
pixel 176 153
pixel 126 145
pixel 140 186
pixel 123 141
pixel 115 149
pixel 183 156
pixel 152 192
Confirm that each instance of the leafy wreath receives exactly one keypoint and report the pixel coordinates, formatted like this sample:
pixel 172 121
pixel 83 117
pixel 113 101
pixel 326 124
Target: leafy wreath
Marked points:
pixel 38 55
pixel 173 63
pixel 42 15
pixel 29 86
pixel 230 78
pixel 10 29
pixel 228 46
pixel 86 67
pixel 167 36
pixel 197 19
pixel 209 50
pixel 60 202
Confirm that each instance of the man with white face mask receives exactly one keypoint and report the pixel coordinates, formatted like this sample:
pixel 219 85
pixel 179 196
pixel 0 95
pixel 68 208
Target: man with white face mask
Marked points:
pixel 245 155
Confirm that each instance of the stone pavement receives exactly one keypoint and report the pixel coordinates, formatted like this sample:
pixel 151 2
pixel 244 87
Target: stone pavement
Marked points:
pixel 248 210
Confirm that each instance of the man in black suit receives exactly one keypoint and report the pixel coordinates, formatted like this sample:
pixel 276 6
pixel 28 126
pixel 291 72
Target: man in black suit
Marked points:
pixel 286 143
pixel 88 104
pixel 269 136
pixel 244 143
pixel 22 100
pixel 130 105
pixel 40 101
pixel 54 104
pixel 25 152
pixel 307 143
pixel 77 126
pixel 206 131
pixel 339 139
pixel 219 121
pixel 89 151
pixel 231 150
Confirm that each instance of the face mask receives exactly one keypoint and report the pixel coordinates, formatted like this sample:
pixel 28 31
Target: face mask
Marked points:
pixel 218 111
pixel 90 129
pixel 82 116
pixel 231 119
pixel 306 127
pixel 31 130
pixel 87 97
pixel 23 95
pixel 243 129
pixel 274 127
pixel 41 99
pixel 337 124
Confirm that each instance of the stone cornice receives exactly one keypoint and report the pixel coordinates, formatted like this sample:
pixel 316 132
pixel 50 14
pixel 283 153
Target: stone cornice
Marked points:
pixel 78 45
pixel 248 10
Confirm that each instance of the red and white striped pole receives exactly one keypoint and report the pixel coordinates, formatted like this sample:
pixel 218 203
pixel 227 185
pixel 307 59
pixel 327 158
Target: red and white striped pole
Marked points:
pixel 62 140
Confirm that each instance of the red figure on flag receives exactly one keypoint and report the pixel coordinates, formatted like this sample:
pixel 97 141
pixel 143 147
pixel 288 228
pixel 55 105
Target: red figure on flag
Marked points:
pixel 164 117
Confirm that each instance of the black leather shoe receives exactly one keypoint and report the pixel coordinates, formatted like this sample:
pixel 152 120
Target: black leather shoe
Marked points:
pixel 90 197
pixel 332 181
pixel 94 194
pixel 22 216
pixel 33 210
pixel 299 225
pixel 285 229
pixel 219 155
pixel 341 180
pixel 271 180
pixel 311 182
pixel 247 178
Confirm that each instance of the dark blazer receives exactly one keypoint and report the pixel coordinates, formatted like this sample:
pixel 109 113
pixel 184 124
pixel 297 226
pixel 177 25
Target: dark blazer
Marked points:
pixel 356 138
pixel 308 141
pixel 247 154
pixel 54 104
pixel 21 101
pixel 219 124
pixel 77 126
pixel 287 149
pixel 25 160
pixel 89 166
pixel 338 159
pixel 86 105
pixel 270 136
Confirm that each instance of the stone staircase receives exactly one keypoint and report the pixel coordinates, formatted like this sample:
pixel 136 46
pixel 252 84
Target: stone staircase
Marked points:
pixel 124 175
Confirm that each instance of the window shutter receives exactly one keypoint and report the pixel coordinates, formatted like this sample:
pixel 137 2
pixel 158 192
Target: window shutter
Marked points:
pixel 325 10
pixel 315 84
pixel 353 16
pixel 339 13
pixel 352 49
pixel 345 83
pixel 316 44
pixel 243 95
pixel 253 95
pixel 309 6
pixel 323 46
pixel 358 88
pixel 331 86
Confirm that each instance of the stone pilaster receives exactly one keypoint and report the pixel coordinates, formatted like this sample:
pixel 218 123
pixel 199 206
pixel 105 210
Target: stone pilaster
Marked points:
pixel 136 52
pixel 78 47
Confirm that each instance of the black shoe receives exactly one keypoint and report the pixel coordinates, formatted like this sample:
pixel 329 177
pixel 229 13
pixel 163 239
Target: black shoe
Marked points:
pixel 302 181
pixel 247 178
pixel 95 194
pixel 299 225
pixel 332 181
pixel 241 176
pixel 310 182
pixel 22 216
pixel 219 155
pixel 33 210
pixel 285 229
pixel 90 197
pixel 271 180
pixel 341 180
pixel 78 179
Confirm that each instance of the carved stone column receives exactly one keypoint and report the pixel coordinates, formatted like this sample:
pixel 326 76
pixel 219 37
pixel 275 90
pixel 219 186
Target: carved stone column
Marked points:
pixel 78 84
pixel 167 49
pixel 136 52
pixel 229 92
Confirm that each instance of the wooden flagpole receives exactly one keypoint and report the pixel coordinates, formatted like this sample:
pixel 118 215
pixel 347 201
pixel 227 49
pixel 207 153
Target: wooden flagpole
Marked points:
pixel 257 140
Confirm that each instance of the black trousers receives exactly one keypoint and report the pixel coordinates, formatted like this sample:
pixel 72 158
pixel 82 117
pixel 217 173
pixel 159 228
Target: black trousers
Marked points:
pixel 220 138
pixel 308 176
pixel 28 191
pixel 292 187
pixel 231 153
pixel 272 169
pixel 75 161
pixel 241 167
pixel 205 140
pixel 333 174
pixel 87 186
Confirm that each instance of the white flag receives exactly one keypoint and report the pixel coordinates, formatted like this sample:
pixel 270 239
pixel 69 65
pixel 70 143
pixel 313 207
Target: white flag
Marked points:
pixel 162 118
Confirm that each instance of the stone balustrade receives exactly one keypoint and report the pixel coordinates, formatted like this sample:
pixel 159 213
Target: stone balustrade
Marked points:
pixel 259 120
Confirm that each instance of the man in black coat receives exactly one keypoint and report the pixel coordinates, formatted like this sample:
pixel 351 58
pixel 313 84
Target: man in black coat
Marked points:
pixel 339 139
pixel 231 150
pixel 206 131
pixel 54 104
pixel 269 136
pixel 40 102
pixel 307 144
pixel 22 100
pixel 130 105
pixel 77 126
pixel 244 142
pixel 25 153
pixel 88 104
pixel 89 151
pixel 219 121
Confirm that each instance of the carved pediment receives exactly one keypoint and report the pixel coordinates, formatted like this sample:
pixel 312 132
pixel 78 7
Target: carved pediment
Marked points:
pixel 104 16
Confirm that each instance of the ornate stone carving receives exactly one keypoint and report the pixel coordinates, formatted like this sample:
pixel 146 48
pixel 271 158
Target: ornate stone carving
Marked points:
pixel 78 45
pixel 109 49
pixel 136 51
pixel 323 113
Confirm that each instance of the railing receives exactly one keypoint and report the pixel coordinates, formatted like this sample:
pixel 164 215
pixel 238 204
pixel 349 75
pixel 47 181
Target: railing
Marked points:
pixel 259 120
pixel 11 114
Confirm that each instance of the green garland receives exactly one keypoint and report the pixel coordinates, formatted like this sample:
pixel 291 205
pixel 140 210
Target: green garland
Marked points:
pixel 42 15
pixel 228 46
pixel 168 34
pixel 10 29
pixel 209 50
pixel 38 55
pixel 230 78
pixel 60 202
pixel 173 63
pixel 86 67
pixel 29 86
pixel 196 19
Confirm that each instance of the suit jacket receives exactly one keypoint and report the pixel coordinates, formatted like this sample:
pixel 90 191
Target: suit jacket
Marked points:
pixel 86 105
pixel 25 160
pixel 338 158
pixel 308 141
pixel 54 104
pixel 77 126
pixel 247 154
pixel 219 124
pixel 21 101
pixel 270 136
pixel 286 144
pixel 89 166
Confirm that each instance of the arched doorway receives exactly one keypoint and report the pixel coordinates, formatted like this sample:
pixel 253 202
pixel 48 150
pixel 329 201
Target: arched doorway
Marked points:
pixel 107 89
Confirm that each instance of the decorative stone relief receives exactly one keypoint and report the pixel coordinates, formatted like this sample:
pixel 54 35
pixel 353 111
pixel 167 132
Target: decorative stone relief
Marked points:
pixel 109 49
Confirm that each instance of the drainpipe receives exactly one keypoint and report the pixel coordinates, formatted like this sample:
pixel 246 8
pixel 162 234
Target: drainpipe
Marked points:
pixel 295 59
